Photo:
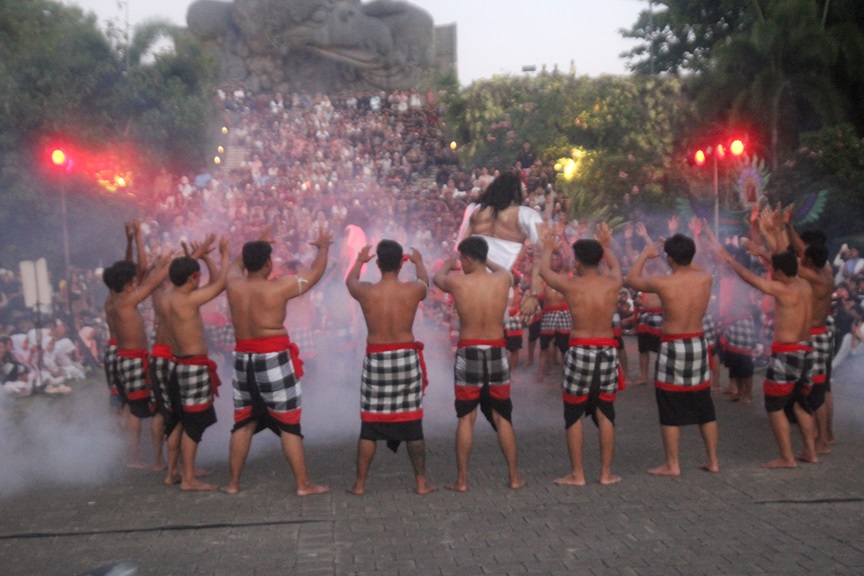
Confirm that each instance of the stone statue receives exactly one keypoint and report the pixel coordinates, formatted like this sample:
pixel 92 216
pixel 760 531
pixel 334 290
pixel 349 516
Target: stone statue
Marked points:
pixel 317 44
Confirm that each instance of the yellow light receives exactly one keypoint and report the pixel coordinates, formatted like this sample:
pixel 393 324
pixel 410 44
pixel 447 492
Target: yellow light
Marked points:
pixel 121 181
pixel 720 151
pixel 224 130
pixel 737 147
pixel 453 145
pixel 217 160
pixel 700 157
pixel 58 157
pixel 557 167
pixel 220 149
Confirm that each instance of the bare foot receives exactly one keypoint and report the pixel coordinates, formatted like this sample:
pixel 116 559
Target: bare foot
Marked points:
pixel 357 490
pixel 746 400
pixel 195 485
pixel 807 458
pixel 665 470
pixel 611 479
pixel 310 489
pixel 426 488
pixel 780 463
pixel 202 472
pixel 457 487
pixel 734 398
pixel 709 467
pixel 570 480
pixel 172 479
pixel 823 448
pixel 517 483
pixel 230 490
pixel 137 465
pixel 159 466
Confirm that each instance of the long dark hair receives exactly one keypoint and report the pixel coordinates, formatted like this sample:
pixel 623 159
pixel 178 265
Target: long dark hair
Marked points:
pixel 503 191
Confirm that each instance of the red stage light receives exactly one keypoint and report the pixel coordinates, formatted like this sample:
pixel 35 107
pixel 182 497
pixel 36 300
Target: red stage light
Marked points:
pixel 737 147
pixel 699 157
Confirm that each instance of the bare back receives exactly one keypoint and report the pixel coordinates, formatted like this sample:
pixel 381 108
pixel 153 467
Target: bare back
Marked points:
pixel 793 310
pixel 592 300
pixel 504 225
pixel 184 324
pixel 822 283
pixel 389 307
pixel 481 301
pixel 257 307
pixel 128 323
pixel 163 334
pixel 685 295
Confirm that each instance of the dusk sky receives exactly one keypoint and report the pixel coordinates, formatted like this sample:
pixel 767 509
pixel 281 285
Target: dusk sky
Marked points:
pixel 493 38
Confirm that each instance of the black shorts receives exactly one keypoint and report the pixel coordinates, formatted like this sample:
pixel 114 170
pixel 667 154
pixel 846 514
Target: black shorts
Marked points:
pixel 562 341
pixel 514 343
pixel 648 342
pixel 685 408
pixel 740 365
pixel 534 330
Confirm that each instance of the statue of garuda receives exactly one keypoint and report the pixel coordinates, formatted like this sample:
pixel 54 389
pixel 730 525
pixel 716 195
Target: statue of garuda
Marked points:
pixel 384 43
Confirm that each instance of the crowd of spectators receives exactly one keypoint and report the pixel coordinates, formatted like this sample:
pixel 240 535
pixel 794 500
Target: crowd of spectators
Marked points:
pixel 380 162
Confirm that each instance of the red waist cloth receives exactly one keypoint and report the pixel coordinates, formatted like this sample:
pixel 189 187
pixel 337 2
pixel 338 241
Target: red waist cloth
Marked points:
pixel 126 353
pixel 611 342
pixel 790 347
pixel 418 346
pixel 649 311
pixel 272 344
pixel 203 360
pixel 818 330
pixel 673 337
pixel 112 342
pixel 161 351
pixel 501 343
pixel 556 308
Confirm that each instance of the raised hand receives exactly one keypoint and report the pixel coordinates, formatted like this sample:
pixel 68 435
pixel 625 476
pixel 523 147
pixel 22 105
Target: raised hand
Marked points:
pixel 604 234
pixel 365 254
pixel 416 257
pixel 695 227
pixel 324 240
pixel 673 224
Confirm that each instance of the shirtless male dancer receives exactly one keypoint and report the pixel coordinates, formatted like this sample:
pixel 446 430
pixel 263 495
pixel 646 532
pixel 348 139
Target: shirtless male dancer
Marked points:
pixel 591 370
pixel 121 309
pixel 267 365
pixel 161 360
pixel 649 313
pixel 556 324
pixel 815 269
pixel 682 378
pixel 394 372
pixel 785 380
pixel 194 380
pixel 499 217
pixel 482 373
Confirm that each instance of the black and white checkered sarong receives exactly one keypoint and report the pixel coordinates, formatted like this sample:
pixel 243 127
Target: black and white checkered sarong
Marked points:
pixel 110 361
pixel 392 383
pixel 556 322
pixel 194 385
pixel 739 336
pixel 822 347
pixel 590 370
pixel 649 322
pixel 682 364
pixel 132 378
pixel 709 326
pixel 274 381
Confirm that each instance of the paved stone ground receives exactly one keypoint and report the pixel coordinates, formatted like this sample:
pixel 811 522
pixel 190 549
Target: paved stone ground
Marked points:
pixel 745 520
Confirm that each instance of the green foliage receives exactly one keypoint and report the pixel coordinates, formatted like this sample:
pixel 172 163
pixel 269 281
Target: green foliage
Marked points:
pixel 61 80
pixel 830 159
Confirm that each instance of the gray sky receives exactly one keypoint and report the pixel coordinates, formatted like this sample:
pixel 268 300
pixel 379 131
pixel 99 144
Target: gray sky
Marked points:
pixel 493 37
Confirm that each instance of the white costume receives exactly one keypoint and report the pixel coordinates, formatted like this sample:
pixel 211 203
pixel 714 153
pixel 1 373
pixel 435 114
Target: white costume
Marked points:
pixel 504 252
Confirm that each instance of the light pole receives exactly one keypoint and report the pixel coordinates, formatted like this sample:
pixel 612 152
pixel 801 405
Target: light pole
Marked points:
pixel 62 161
pixel 718 152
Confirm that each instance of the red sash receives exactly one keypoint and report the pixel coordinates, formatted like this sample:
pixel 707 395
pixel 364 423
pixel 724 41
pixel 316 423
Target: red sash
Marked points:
pixel 500 343
pixel 673 337
pixel 556 308
pixel 272 344
pixel 418 346
pixel 203 360
pixel 161 351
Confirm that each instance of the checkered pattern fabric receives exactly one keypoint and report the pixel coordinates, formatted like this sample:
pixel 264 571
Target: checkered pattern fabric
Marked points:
pixel 479 365
pixel 650 323
pixel 709 326
pixel 160 372
pixel 786 368
pixel 682 364
pixel 110 361
pixel 581 363
pixel 220 337
pixel 132 378
pixel 274 380
pixel 512 325
pixel 822 344
pixel 739 336
pixel 194 384
pixel 556 322
pixel 392 382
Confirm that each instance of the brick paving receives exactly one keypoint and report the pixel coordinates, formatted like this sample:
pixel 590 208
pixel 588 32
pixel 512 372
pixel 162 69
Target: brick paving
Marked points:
pixel 745 520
